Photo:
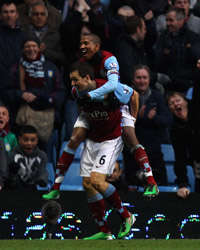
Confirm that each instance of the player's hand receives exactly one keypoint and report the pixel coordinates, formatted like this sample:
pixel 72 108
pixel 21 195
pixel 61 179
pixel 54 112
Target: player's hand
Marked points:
pixel 183 192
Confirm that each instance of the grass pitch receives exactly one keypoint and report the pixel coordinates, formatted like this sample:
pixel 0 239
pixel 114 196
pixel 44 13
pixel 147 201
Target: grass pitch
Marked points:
pixel 141 244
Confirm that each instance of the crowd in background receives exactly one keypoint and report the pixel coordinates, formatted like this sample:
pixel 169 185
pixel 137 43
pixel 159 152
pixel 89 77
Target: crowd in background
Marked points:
pixel 157 45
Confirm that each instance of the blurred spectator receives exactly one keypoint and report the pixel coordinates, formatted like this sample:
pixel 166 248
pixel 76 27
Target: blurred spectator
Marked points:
pixel 117 23
pixel 47 33
pixel 11 41
pixel 27 163
pixel 54 16
pixel 184 141
pixel 176 52
pixel 131 47
pixel 157 7
pixel 42 94
pixel 51 211
pixel 192 21
pixel 152 123
pixel 8 141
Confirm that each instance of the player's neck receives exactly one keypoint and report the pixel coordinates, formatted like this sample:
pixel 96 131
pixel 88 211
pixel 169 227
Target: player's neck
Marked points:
pixel 92 85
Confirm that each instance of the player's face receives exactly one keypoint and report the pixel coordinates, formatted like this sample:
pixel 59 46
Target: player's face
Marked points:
pixel 31 50
pixel 173 25
pixel 81 83
pixel 141 80
pixel 88 48
pixel 28 142
pixel 4 117
pixel 177 105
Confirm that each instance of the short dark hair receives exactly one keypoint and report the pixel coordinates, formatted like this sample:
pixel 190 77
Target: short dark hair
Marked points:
pixel 141 66
pixel 51 211
pixel 27 129
pixel 173 93
pixel 132 23
pixel 95 39
pixel 180 13
pixel 6 2
pixel 84 69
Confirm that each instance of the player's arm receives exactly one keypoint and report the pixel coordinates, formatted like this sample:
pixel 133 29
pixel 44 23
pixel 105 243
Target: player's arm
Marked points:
pixel 112 70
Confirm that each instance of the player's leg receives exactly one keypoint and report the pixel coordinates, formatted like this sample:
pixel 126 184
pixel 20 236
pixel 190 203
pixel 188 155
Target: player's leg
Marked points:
pixel 138 151
pixel 78 135
pixel 104 164
pixel 96 202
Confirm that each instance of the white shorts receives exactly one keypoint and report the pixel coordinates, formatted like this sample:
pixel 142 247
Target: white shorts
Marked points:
pixel 127 119
pixel 100 156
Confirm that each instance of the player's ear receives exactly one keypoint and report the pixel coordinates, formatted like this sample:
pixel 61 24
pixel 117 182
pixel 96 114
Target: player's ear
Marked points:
pixel 88 77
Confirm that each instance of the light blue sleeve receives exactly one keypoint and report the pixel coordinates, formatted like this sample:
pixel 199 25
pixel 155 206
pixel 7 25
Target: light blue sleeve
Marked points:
pixel 112 70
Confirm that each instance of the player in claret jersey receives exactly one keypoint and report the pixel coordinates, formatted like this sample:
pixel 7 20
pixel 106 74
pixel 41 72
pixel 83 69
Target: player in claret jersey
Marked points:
pixel 102 120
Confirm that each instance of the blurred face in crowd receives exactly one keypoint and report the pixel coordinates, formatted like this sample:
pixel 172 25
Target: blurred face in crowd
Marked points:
pixel 39 16
pixel 141 80
pixel 31 50
pixel 173 25
pixel 183 4
pixel 178 106
pixel 28 141
pixel 88 47
pixel 4 117
pixel 81 83
pixel 9 15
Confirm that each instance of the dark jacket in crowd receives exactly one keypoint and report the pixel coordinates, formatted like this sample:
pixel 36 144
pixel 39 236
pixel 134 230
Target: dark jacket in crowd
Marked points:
pixel 11 42
pixel 176 56
pixel 184 143
pixel 26 169
pixel 153 132
pixel 129 53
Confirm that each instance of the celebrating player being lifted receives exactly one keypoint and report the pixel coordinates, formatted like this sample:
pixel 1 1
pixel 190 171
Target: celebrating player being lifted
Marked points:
pixel 106 66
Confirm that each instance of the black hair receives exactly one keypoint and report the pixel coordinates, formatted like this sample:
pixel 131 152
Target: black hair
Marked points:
pixel 93 37
pixel 180 13
pixel 132 23
pixel 83 68
pixel 6 2
pixel 27 129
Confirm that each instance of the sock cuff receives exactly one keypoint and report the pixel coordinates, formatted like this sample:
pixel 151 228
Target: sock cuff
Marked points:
pixel 136 147
pixel 94 198
pixel 109 191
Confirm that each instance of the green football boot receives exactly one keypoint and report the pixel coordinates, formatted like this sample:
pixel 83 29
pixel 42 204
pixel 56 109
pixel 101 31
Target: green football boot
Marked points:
pixel 52 195
pixel 100 236
pixel 151 191
pixel 126 226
